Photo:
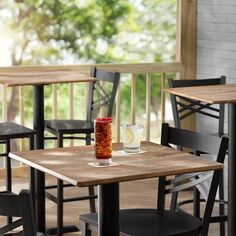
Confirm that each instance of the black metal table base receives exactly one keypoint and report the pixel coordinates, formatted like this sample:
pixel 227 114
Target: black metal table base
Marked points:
pixel 108 210
pixel 38 94
pixel 232 170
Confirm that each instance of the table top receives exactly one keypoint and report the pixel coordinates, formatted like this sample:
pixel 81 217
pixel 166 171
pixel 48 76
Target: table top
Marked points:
pixel 213 94
pixel 44 77
pixel 71 164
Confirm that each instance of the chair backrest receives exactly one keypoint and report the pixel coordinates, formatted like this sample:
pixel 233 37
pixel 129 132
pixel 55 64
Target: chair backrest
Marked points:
pixel 21 205
pixel 201 143
pixel 102 95
pixel 186 107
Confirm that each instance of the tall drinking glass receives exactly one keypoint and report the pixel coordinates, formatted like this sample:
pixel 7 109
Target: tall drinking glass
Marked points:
pixel 103 140
pixel 131 136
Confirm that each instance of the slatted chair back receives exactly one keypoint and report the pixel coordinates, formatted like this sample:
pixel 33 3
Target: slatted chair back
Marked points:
pixel 199 142
pixel 102 95
pixel 185 107
pixel 21 205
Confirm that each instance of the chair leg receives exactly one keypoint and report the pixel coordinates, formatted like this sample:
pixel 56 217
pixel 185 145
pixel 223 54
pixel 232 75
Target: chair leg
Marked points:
pixel 59 140
pixel 196 203
pixel 32 184
pixel 92 204
pixel 59 207
pixel 84 229
pixel 222 207
pixel 88 139
pixel 173 203
pixel 31 142
pixel 8 172
pixel 8 167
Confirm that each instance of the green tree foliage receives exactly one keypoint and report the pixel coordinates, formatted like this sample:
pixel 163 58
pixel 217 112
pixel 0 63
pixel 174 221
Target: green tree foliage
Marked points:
pixel 149 37
pixel 99 31
pixel 46 31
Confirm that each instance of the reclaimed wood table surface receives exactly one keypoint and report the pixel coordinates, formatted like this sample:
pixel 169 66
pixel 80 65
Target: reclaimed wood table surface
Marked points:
pixel 42 77
pixel 39 78
pixel 70 164
pixel 220 94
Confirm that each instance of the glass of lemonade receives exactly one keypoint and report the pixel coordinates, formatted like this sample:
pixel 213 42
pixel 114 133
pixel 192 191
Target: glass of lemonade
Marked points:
pixel 131 137
pixel 103 140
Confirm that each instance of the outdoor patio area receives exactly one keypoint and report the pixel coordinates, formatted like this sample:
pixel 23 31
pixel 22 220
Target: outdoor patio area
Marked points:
pixel 114 113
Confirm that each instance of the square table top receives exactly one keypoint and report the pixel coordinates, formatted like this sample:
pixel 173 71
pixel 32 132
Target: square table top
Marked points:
pixel 71 164
pixel 213 94
pixel 43 77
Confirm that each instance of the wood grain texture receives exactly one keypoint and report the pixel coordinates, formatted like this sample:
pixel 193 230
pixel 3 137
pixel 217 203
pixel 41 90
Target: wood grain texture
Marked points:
pixel 213 94
pixel 85 68
pixel 186 37
pixel 71 164
pixel 186 45
pixel 42 77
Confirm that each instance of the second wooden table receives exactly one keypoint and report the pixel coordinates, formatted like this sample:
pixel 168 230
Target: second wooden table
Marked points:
pixel 38 79
pixel 220 94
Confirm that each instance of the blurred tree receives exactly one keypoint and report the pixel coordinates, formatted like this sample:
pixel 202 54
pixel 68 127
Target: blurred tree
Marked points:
pixel 150 37
pixel 100 31
pixel 46 31
pixel 53 32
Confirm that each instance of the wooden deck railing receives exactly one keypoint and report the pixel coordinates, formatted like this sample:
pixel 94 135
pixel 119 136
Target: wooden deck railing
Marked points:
pixel 146 69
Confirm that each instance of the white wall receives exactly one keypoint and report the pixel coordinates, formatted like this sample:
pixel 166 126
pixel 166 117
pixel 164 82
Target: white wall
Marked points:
pixel 216 38
pixel 216 44
pixel 216 47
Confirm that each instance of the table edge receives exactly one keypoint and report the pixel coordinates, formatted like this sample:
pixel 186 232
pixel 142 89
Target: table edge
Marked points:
pixel 172 91
pixel 41 168
pixel 216 166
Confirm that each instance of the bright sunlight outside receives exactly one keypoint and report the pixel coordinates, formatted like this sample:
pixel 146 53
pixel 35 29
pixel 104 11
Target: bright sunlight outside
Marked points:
pixel 5 44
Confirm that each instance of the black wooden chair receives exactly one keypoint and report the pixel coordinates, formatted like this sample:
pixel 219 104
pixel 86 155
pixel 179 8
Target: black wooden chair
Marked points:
pixel 100 97
pixel 20 206
pixel 8 132
pixel 185 107
pixel 159 221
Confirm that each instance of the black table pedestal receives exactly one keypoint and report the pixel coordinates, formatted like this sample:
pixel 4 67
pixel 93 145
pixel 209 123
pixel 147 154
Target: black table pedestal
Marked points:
pixel 38 113
pixel 232 170
pixel 108 210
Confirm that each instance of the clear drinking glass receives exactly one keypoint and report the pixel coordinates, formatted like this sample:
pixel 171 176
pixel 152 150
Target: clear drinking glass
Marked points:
pixel 103 140
pixel 131 137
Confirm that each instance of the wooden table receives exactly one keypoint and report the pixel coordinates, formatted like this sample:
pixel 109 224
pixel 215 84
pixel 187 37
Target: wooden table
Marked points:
pixel 38 79
pixel 71 165
pixel 220 94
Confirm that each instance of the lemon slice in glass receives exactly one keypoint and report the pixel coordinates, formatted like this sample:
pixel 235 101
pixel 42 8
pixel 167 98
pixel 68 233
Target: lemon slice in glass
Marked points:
pixel 128 136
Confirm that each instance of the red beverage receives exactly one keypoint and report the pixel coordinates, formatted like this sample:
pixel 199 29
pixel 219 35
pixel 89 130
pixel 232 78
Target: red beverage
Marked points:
pixel 103 140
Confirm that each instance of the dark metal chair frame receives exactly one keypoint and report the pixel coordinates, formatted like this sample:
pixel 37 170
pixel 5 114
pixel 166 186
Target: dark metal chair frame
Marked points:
pixel 184 107
pixel 154 222
pixel 13 205
pixel 62 127
pixel 8 132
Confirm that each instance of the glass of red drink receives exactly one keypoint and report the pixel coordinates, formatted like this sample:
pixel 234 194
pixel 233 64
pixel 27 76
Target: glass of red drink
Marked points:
pixel 103 140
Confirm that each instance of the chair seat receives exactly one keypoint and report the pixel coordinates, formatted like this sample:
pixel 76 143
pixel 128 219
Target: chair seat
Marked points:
pixel 70 126
pixel 9 130
pixel 139 222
